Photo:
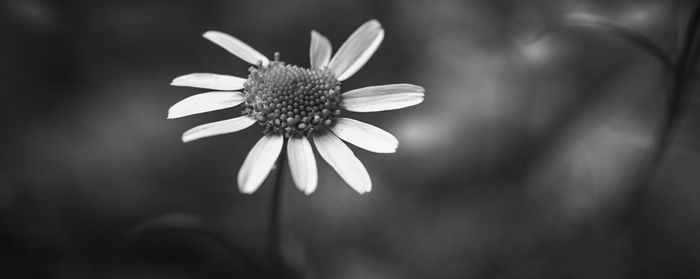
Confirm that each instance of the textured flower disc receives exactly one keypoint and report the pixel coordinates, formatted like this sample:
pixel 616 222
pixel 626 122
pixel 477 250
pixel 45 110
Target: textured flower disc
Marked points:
pixel 290 100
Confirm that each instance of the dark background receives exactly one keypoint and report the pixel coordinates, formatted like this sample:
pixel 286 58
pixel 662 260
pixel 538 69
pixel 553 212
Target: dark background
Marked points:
pixel 521 162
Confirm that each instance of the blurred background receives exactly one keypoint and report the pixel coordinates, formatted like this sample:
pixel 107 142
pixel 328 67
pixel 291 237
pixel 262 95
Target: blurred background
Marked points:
pixel 521 162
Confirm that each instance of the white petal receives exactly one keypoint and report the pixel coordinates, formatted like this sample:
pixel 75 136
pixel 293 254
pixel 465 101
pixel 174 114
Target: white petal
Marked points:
pixel 259 162
pixel 209 81
pixel 357 49
pixel 383 97
pixel 320 50
pixel 236 47
pixel 205 102
pixel 218 128
pixel 302 164
pixel 343 161
pixel 365 136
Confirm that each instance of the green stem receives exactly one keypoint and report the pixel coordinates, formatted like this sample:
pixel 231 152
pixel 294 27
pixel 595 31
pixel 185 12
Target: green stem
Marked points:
pixel 274 221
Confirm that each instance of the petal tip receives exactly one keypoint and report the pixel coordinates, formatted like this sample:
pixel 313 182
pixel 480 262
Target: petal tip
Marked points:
pixel 235 47
pixel 211 34
pixel 386 151
pixel 357 49
pixel 187 138
pixel 242 187
pixel 246 185
pixel 171 114
pixel 247 191
pixel 374 22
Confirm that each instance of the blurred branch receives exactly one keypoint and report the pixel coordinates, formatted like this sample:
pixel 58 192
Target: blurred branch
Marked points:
pixel 679 71
pixel 190 223
pixel 686 62
pixel 675 107
pixel 588 21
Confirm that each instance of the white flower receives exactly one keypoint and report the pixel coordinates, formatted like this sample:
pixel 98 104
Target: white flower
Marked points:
pixel 295 104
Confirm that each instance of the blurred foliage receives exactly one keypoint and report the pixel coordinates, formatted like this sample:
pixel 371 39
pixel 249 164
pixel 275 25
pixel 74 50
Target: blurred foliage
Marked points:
pixel 517 165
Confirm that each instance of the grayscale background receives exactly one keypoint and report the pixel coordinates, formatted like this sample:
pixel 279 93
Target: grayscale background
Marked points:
pixel 520 163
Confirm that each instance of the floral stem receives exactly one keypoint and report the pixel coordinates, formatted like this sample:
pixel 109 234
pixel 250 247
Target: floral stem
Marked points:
pixel 274 221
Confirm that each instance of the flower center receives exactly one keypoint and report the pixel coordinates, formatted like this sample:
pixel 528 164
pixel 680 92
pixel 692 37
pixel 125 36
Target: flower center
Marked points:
pixel 292 101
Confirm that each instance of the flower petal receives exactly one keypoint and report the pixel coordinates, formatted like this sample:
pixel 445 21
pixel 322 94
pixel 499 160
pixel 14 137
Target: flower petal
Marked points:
pixel 209 81
pixel 236 47
pixel 302 164
pixel 205 102
pixel 319 51
pixel 343 161
pixel 218 128
pixel 365 136
pixel 357 49
pixel 259 162
pixel 383 97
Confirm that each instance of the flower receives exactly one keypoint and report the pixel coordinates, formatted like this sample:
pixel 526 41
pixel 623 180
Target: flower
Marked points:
pixel 295 104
